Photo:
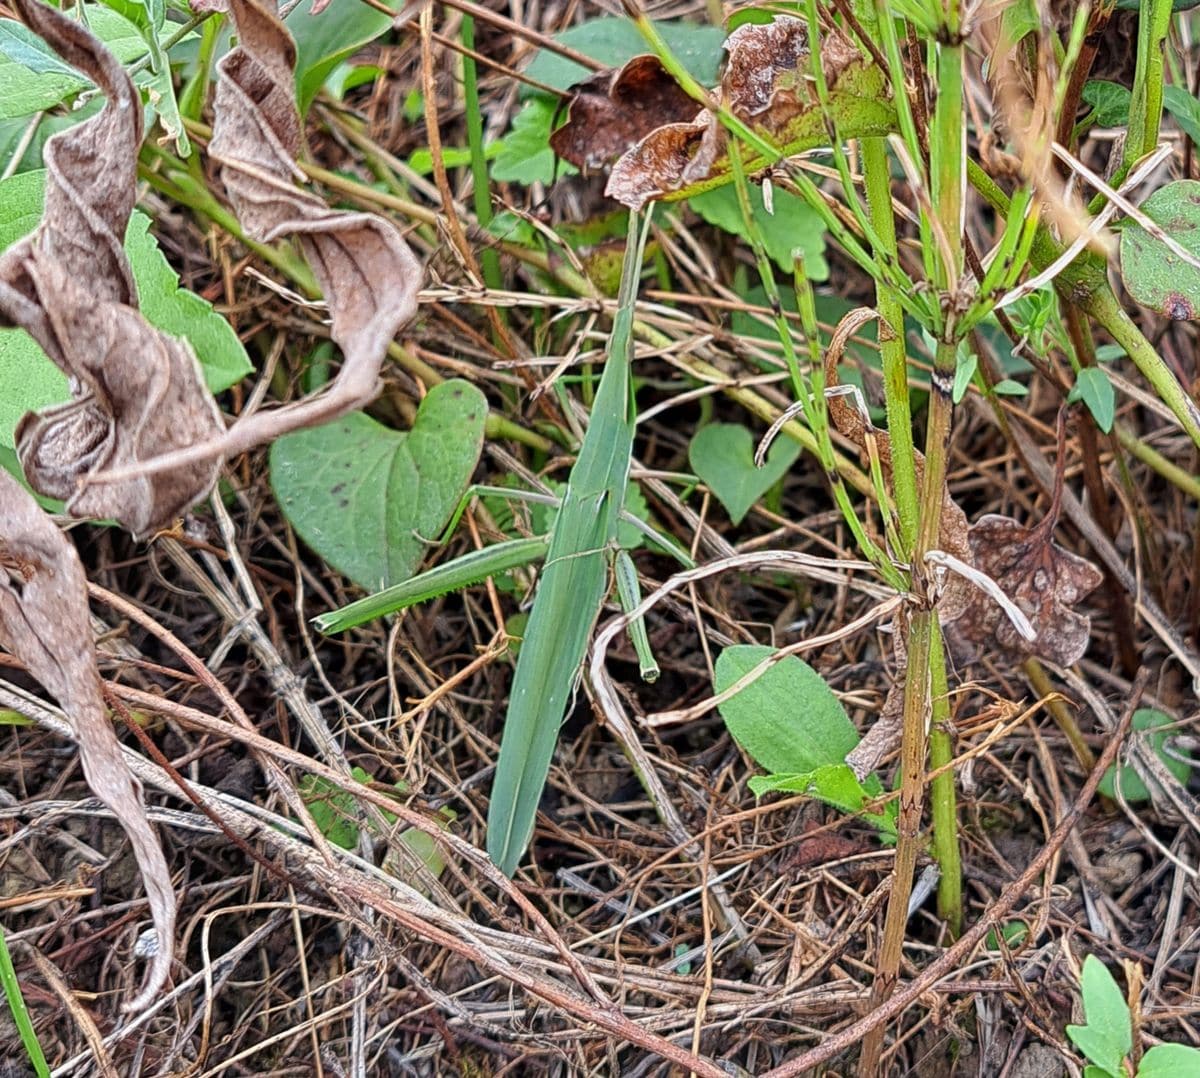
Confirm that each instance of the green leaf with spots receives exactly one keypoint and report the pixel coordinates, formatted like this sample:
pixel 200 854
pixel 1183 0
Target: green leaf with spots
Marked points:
pixel 1156 276
pixel 370 500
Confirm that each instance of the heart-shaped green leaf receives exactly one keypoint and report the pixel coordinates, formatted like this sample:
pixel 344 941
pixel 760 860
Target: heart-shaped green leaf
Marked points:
pixel 1154 274
pixel 722 455
pixel 370 499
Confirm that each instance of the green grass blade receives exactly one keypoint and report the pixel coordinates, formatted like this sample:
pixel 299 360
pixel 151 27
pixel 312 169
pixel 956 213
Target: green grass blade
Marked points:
pixel 459 573
pixel 16 1004
pixel 631 596
pixel 571 590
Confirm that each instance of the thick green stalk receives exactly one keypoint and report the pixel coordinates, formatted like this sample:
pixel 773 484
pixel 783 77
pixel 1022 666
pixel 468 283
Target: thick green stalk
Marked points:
pixel 1145 108
pixel 942 794
pixel 893 351
pixel 947 173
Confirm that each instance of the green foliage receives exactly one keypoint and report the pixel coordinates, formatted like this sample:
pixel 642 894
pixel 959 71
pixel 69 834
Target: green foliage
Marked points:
pixel 1186 110
pixel 1156 276
pixel 335 812
pixel 524 154
pixel 1133 788
pixel 722 455
pixel 323 41
pixel 1096 391
pixel 1110 100
pixel 793 725
pixel 29 381
pixel 34 78
pixel 1107 1038
pixel 369 499
pixel 791 226
pixel 182 313
pixel 614 41
pixel 963 373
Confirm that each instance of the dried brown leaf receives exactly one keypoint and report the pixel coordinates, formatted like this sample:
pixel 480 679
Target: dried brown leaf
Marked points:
pixel 670 157
pixel 768 85
pixel 1042 578
pixel 136 392
pixel 611 111
pixel 365 269
pixel 44 623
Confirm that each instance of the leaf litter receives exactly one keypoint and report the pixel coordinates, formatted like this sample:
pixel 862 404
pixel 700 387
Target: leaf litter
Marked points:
pixel 630 846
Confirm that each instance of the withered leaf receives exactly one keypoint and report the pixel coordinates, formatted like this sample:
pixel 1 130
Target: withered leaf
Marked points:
pixel 365 269
pixel 1042 578
pixel 670 157
pixel 44 623
pixel 136 392
pixel 612 111
pixel 768 85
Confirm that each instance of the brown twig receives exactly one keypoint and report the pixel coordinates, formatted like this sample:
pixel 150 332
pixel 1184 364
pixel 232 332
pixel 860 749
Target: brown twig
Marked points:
pixel 952 958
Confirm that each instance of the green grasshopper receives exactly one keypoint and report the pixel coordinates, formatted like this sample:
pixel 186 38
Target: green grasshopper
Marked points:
pixel 570 592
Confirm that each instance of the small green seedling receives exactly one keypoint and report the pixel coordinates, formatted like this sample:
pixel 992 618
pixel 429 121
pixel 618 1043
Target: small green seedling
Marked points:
pixel 335 811
pixel 793 725
pixel 1107 1038
pixel 1156 726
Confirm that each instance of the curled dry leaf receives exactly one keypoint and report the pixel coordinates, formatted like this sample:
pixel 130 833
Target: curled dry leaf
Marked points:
pixel 136 392
pixel 613 110
pixel 1042 578
pixel 44 623
pixel 768 85
pixel 365 269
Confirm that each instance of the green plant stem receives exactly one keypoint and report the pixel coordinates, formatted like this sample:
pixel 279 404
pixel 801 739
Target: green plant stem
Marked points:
pixel 1145 107
pixel 1085 283
pixel 20 1013
pixel 943 797
pixel 908 826
pixel 489 261
pixel 893 352
pixel 947 166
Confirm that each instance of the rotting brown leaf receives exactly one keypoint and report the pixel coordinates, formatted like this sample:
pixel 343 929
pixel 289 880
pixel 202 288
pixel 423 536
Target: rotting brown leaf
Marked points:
pixel 1037 574
pixel 44 623
pixel 612 111
pixel 768 85
pixel 1042 578
pixel 366 271
pixel 136 392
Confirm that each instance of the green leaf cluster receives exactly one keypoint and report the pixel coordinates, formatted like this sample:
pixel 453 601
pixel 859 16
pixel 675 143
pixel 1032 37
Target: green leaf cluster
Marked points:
pixel 793 725
pixel 1106 1038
